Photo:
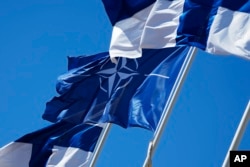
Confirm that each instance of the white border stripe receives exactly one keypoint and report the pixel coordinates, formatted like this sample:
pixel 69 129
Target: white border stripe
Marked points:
pixel 15 154
pixel 127 34
pixel 229 33
pixel 161 27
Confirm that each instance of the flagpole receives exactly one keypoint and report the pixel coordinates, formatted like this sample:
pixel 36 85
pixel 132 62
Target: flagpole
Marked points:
pixel 100 143
pixel 169 105
pixel 238 135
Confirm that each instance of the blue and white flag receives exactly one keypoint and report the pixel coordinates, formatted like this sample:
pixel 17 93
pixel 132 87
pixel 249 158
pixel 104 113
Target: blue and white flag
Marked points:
pixel 131 93
pixel 60 144
pixel 128 18
pixel 218 27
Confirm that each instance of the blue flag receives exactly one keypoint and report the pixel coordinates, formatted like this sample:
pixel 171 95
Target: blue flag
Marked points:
pixel 59 144
pixel 218 27
pixel 131 93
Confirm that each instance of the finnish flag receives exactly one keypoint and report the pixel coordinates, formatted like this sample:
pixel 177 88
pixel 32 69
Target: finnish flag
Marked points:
pixel 60 144
pixel 218 27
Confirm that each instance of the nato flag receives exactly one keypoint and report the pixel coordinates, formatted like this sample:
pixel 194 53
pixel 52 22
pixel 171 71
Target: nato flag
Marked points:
pixel 131 93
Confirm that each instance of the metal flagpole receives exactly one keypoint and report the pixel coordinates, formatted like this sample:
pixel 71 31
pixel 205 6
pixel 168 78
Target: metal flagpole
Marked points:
pixel 238 135
pixel 99 144
pixel 169 105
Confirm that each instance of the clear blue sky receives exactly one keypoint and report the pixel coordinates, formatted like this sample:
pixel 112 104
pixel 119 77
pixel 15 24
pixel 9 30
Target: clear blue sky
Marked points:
pixel 37 36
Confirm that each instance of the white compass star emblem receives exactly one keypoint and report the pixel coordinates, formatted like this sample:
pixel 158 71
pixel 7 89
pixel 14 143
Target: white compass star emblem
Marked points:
pixel 118 76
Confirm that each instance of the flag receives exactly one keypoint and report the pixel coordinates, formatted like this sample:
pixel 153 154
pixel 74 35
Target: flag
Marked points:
pixel 60 144
pixel 218 27
pixel 131 93
pixel 128 19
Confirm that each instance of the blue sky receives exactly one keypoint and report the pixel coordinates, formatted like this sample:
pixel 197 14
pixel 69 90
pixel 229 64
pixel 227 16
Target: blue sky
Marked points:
pixel 37 37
